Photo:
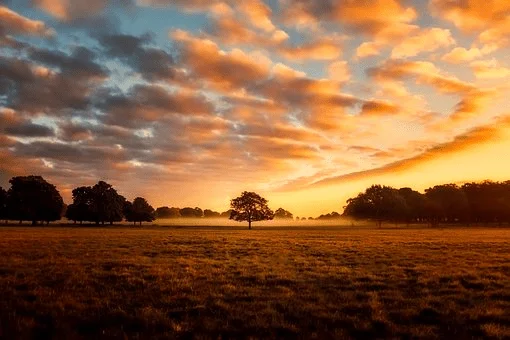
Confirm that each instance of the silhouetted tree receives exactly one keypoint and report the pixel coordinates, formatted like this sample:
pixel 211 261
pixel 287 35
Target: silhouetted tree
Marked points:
pixel 191 212
pixel 139 211
pixel 416 205
pixel 331 216
pixel 82 207
pixel 32 198
pixel 250 207
pixel 107 204
pixel 100 203
pixel 281 213
pixel 226 214
pixel 166 212
pixel 488 201
pixel 211 214
pixel 380 203
pixel 448 202
pixel 3 204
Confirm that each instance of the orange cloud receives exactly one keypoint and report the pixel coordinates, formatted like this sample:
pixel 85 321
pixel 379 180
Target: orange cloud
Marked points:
pixel 476 136
pixel 322 49
pixel 380 17
pixel 339 71
pixel 378 107
pixel 488 18
pixel 426 40
pixel 71 9
pixel 460 55
pixel 489 69
pixel 12 22
pixel 224 71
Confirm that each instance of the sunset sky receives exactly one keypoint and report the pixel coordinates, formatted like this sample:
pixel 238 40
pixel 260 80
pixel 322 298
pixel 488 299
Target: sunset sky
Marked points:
pixel 190 102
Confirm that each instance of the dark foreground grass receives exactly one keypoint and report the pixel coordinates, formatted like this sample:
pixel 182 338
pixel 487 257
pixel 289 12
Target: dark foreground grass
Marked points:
pixel 70 283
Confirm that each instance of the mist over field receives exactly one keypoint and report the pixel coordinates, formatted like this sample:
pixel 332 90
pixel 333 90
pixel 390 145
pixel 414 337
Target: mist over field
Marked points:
pixel 222 222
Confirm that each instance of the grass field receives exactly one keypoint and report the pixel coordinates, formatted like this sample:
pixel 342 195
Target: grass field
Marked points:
pixel 221 282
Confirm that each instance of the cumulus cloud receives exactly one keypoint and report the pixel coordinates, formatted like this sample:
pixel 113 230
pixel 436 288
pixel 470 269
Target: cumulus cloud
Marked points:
pixel 152 64
pixel 460 55
pixel 51 81
pixel 424 41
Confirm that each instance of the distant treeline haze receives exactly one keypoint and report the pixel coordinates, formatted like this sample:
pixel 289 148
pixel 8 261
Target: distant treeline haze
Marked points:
pixel 31 198
pixel 485 202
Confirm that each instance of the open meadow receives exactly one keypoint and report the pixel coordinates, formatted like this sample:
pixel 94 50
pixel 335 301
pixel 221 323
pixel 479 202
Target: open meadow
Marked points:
pixel 228 282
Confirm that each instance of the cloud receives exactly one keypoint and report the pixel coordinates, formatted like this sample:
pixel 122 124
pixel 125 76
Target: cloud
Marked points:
pixel 386 17
pixel 426 40
pixel 489 19
pixel 423 71
pixel 232 30
pixel 473 100
pixel 368 49
pixel 145 104
pixel 71 9
pixel 320 49
pixel 475 136
pixel 221 70
pixel 378 107
pixel 152 64
pixel 14 23
pixel 460 55
pixel 15 125
pixel 57 81
pixel 489 69
pixel 339 71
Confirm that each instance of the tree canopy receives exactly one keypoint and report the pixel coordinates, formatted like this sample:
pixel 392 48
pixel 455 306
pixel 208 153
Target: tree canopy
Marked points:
pixel 100 203
pixel 3 204
pixel 31 198
pixel 139 211
pixel 166 212
pixel 250 207
pixel 281 213
pixel 380 203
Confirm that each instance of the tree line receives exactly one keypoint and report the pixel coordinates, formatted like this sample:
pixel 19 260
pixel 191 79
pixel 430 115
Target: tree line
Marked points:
pixel 481 202
pixel 32 198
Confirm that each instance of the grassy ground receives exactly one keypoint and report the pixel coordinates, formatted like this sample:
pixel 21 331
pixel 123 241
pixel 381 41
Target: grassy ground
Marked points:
pixel 221 283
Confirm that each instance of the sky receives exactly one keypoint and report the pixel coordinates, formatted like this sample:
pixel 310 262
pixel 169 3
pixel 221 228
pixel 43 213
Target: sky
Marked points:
pixel 191 102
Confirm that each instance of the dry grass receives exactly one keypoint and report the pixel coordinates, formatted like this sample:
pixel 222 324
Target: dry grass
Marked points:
pixel 270 283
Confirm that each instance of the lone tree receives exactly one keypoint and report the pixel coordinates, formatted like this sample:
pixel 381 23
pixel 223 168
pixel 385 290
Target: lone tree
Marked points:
pixel 31 198
pixel 250 207
pixel 139 211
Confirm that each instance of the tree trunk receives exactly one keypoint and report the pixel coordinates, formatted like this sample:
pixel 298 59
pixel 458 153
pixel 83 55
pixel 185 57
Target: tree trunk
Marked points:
pixel 34 222
pixel 249 224
pixel 140 223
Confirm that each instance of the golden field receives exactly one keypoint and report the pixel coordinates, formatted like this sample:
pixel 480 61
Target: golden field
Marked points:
pixel 270 282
